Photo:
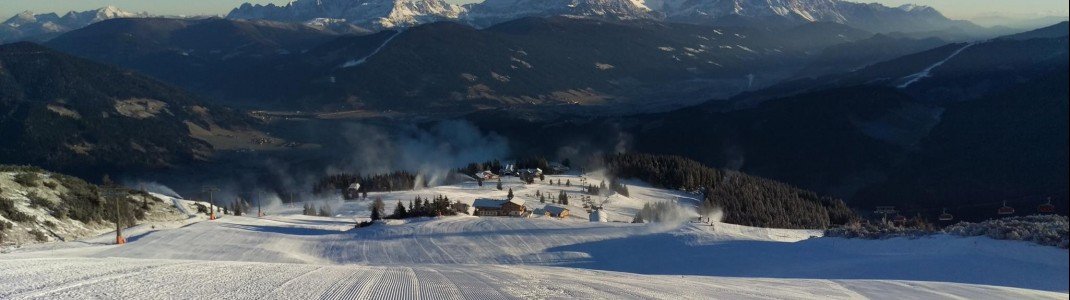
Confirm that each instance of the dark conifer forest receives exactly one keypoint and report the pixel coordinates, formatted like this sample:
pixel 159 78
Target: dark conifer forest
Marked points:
pixel 745 199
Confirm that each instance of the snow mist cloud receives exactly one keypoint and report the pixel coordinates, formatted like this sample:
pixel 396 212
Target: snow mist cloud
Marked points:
pixel 430 152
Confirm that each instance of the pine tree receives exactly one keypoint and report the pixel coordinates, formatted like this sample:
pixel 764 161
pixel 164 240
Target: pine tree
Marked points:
pixel 417 208
pixel 638 218
pixel 542 177
pixel 326 211
pixel 510 196
pixel 499 184
pixel 399 212
pixel 377 209
pixel 542 199
pixel 568 182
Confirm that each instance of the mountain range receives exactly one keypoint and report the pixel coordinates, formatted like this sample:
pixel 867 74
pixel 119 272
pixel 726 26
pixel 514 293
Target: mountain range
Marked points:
pixel 38 27
pixel 377 14
pixel 789 90
pixel 977 124
pixel 447 66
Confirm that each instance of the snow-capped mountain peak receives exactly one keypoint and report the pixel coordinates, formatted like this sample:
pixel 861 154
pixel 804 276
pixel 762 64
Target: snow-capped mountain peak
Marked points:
pixel 27 25
pixel 19 19
pixel 378 14
pixel 112 12
pixel 501 10
pixel 368 13
pixel 92 16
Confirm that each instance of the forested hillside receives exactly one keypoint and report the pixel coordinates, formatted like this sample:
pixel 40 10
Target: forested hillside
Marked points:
pixel 1010 146
pixel 65 113
pixel 745 199
pixel 558 62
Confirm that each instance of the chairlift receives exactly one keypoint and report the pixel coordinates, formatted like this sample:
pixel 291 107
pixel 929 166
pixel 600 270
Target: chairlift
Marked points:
pixel 1046 208
pixel 1005 210
pixel 946 216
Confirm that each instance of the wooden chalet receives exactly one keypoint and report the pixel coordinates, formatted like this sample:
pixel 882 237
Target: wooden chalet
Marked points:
pixel 493 207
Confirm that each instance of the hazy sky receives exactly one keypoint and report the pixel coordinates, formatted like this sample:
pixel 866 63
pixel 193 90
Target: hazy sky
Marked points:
pixel 959 9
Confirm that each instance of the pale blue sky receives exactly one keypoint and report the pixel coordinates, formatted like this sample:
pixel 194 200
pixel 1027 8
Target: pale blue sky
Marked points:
pixel 959 9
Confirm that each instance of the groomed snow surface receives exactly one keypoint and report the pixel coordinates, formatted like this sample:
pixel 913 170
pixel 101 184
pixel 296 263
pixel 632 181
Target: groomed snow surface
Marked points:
pixel 289 256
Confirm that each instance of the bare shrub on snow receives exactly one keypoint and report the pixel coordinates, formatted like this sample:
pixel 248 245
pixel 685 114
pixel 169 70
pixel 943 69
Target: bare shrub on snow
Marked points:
pixel 1049 230
pixel 879 230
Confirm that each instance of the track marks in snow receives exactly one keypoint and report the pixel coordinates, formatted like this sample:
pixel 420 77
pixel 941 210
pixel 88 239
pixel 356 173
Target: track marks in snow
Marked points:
pixel 395 283
pixel 434 285
pixel 475 288
pixel 113 278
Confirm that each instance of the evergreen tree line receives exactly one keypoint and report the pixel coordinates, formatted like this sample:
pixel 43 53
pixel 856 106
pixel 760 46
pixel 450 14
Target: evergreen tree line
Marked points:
pixel 310 209
pixel 615 187
pixel 523 163
pixel 660 212
pixel 535 162
pixel 419 207
pixel 561 198
pixel 394 181
pixel 473 168
pixel 744 199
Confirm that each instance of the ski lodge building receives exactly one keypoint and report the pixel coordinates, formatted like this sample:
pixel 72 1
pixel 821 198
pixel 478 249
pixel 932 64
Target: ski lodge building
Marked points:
pixel 492 207
pixel 556 211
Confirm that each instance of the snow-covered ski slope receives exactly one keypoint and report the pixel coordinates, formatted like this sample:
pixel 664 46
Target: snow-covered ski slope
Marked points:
pixel 286 255
pixel 114 278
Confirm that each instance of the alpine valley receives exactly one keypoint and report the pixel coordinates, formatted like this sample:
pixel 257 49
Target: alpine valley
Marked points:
pixel 666 149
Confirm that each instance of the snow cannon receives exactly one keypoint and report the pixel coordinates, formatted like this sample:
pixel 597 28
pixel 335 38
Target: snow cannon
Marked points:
pixel 598 216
